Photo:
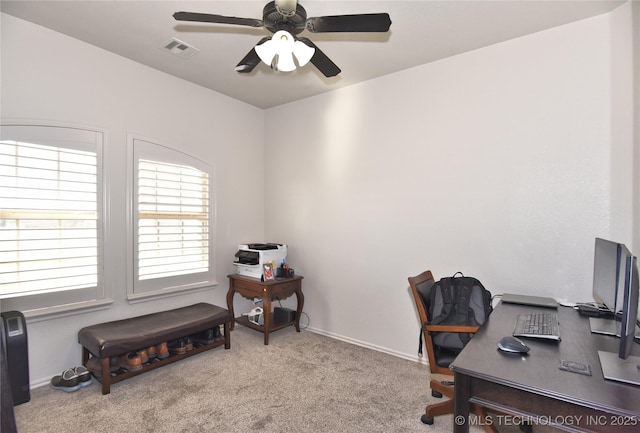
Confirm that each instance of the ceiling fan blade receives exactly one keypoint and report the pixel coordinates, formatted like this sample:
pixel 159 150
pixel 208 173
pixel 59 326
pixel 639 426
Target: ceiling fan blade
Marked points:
pixel 218 19
pixel 321 61
pixel 350 23
pixel 251 60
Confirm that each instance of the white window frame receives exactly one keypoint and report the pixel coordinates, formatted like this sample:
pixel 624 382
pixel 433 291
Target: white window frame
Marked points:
pixel 141 289
pixel 79 138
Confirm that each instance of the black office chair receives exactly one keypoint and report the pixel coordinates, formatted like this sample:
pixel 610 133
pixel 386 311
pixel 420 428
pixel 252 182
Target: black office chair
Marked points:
pixel 440 357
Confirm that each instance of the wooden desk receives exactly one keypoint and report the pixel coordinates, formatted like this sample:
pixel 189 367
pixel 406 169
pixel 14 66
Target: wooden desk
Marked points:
pixel 532 386
pixel 268 291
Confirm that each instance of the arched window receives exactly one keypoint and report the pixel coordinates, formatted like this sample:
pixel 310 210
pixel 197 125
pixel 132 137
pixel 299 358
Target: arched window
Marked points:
pixel 172 229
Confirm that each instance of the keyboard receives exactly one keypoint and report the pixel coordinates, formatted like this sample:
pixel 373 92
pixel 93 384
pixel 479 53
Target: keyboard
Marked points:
pixel 538 325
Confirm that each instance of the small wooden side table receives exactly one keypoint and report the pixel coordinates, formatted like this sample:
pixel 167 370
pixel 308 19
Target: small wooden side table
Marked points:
pixel 268 291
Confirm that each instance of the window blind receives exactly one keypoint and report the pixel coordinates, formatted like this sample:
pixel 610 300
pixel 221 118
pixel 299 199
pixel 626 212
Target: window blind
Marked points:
pixel 173 220
pixel 48 218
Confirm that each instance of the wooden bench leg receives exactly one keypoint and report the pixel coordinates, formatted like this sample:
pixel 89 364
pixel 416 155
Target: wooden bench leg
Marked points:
pixel 106 376
pixel 85 356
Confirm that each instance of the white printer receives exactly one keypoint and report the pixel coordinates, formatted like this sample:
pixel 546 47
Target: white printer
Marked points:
pixel 250 258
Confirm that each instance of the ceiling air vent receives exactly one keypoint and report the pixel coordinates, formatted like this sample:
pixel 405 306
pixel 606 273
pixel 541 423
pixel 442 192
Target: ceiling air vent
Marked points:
pixel 179 48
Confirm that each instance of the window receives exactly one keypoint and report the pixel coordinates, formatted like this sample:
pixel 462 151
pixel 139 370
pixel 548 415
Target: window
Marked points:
pixel 173 219
pixel 50 217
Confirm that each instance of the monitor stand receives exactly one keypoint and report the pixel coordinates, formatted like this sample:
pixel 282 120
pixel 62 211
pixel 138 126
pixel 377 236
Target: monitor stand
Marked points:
pixel 618 369
pixel 599 325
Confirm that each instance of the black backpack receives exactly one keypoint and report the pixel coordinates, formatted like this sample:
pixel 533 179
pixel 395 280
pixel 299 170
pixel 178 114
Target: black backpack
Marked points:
pixel 457 300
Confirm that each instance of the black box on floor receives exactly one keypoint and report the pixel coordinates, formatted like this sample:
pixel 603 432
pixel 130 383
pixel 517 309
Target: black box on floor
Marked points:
pixel 281 314
pixel 15 357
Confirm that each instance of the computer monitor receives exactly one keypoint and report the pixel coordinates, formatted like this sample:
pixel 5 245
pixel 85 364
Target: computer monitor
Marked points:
pixel 621 366
pixel 629 307
pixel 606 273
pixel 610 324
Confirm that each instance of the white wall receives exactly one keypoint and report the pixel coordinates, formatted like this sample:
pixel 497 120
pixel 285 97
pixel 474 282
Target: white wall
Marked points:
pixel 635 13
pixel 496 163
pixel 48 76
pixel 622 126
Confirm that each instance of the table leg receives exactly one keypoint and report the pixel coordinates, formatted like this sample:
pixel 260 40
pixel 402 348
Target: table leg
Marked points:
pixel 300 298
pixel 266 311
pixel 227 340
pixel 461 403
pixel 230 294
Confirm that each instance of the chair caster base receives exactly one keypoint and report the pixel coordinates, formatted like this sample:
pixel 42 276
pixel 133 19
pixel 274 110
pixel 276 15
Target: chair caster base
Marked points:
pixel 436 394
pixel 426 419
pixel 526 428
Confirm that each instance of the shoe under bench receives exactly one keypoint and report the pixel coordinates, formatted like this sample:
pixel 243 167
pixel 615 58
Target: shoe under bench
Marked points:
pixel 117 338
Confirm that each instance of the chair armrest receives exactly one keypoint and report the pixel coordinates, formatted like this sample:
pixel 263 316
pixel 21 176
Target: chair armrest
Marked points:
pixel 451 328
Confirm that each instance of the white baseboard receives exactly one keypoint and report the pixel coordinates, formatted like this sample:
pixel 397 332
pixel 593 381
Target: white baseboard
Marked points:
pixel 414 358
pixel 39 383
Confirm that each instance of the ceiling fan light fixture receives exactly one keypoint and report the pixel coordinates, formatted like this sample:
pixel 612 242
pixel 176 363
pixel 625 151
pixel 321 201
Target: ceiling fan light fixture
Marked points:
pixel 303 52
pixel 286 8
pixel 278 52
pixel 283 63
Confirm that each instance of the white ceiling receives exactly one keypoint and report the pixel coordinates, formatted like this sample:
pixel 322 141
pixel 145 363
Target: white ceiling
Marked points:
pixel 421 32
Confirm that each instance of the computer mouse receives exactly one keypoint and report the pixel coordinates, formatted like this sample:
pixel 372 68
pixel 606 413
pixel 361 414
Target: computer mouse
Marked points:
pixel 512 345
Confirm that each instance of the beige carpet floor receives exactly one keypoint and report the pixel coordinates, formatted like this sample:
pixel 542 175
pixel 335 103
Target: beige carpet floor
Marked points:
pixel 300 382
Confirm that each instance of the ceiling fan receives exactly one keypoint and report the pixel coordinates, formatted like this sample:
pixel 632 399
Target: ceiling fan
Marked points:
pixel 286 19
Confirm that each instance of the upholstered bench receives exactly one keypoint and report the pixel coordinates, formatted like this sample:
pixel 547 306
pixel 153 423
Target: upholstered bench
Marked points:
pixel 117 338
